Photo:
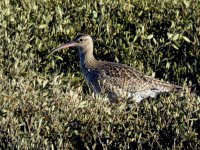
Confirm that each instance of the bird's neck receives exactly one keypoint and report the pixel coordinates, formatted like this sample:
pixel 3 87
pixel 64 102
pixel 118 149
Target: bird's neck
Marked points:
pixel 87 59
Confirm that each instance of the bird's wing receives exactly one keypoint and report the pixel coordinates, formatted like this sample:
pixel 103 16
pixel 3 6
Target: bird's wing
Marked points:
pixel 122 77
pixel 162 85
pixel 126 78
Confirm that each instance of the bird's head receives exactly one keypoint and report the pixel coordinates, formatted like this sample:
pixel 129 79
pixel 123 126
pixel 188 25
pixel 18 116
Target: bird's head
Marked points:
pixel 83 42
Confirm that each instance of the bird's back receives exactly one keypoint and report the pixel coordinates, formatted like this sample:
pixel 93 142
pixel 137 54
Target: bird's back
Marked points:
pixel 123 82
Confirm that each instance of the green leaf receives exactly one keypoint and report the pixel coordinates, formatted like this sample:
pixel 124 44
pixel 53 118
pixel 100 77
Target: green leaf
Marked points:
pixel 186 39
pixel 150 37
pixel 176 36
pixel 42 26
pixel 176 47
pixel 58 57
pixel 155 109
pixel 168 65
pixel 169 35
pixel 83 104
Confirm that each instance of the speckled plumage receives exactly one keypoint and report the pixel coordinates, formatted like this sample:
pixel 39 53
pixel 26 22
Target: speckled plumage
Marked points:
pixel 119 81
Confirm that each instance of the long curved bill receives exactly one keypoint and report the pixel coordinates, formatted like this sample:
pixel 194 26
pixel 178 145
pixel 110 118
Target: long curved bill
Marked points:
pixel 70 44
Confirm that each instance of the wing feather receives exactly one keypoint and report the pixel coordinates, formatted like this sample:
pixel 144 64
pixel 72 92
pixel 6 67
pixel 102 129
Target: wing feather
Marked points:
pixel 124 81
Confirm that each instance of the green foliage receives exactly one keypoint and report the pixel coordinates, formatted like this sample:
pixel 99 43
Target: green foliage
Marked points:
pixel 45 103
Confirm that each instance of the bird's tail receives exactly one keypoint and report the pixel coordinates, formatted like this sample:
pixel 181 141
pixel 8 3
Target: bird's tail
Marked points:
pixel 163 86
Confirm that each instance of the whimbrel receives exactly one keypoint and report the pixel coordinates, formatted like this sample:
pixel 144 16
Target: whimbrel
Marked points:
pixel 117 80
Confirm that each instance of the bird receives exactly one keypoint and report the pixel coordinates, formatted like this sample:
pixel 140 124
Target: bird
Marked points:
pixel 118 81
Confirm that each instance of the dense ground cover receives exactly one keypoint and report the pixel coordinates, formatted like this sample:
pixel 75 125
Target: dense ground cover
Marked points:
pixel 46 104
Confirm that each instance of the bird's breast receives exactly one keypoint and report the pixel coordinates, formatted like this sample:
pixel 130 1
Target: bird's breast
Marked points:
pixel 91 75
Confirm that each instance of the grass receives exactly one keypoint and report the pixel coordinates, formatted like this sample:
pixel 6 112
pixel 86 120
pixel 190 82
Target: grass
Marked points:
pixel 46 104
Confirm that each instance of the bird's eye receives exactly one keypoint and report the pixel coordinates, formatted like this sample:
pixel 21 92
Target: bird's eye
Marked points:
pixel 81 40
